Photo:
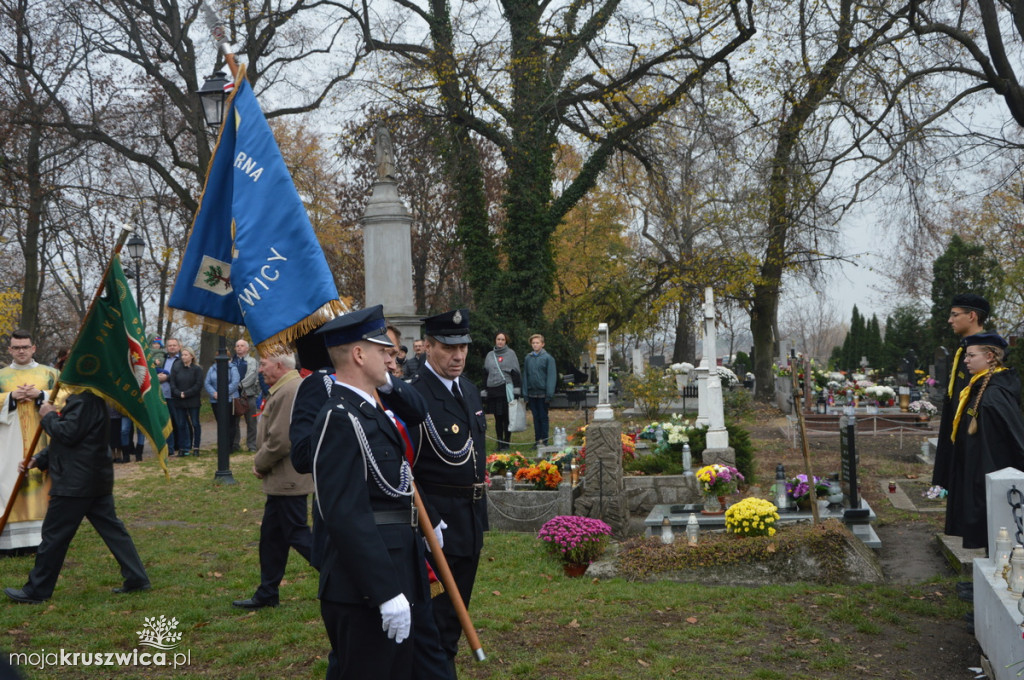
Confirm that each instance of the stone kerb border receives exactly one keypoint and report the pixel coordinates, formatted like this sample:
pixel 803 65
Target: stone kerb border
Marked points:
pixel 526 510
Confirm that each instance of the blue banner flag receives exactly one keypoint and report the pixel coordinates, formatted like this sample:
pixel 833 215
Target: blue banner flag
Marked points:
pixel 252 258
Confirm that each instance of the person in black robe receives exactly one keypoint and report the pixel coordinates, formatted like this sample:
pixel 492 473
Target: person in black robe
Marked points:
pixel 987 435
pixel 967 315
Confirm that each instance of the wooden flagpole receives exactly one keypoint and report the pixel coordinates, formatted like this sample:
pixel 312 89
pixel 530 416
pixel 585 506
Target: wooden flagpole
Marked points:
pixel 23 468
pixel 799 408
pixel 445 574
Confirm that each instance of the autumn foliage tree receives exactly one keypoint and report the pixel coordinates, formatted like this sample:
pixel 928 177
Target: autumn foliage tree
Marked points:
pixel 598 71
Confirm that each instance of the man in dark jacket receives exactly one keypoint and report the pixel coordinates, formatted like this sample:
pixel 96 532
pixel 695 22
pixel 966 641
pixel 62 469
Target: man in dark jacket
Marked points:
pixel 372 572
pixel 82 474
pixel 450 461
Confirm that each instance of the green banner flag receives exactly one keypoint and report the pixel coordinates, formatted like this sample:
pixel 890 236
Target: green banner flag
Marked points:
pixel 110 358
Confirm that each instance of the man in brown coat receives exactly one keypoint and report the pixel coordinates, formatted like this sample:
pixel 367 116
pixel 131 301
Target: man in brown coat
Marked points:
pixel 285 515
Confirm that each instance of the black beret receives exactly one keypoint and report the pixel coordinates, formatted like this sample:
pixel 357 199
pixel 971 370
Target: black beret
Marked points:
pixel 971 301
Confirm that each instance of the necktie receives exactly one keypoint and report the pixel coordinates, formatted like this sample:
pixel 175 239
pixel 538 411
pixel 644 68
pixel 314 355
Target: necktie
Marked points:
pixel 458 395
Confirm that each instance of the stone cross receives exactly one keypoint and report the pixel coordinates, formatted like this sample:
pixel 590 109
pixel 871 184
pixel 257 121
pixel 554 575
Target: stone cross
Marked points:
pixel 603 351
pixel 717 437
pixel 708 361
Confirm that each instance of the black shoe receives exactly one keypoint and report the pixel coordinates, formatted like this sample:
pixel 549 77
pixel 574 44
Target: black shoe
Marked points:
pixel 965 591
pixel 253 603
pixel 19 595
pixel 125 589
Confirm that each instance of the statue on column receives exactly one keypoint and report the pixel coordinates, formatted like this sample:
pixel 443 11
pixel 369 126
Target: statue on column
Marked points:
pixel 384 150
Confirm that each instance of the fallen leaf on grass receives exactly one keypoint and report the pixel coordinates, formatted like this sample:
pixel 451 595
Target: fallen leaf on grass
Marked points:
pixel 691 619
pixel 643 663
pixel 495 592
pixel 573 624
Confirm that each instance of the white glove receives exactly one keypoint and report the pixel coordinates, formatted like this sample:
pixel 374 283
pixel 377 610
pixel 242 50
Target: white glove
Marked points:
pixel 440 537
pixel 397 618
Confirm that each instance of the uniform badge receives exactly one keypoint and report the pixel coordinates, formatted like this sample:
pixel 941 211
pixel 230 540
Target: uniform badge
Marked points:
pixel 457 316
pixel 455 429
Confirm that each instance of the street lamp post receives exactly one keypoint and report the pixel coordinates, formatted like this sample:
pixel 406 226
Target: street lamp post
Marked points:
pixel 212 96
pixel 136 246
pixel 223 474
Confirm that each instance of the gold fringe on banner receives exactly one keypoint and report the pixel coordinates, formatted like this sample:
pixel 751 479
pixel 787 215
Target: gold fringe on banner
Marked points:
pixel 280 342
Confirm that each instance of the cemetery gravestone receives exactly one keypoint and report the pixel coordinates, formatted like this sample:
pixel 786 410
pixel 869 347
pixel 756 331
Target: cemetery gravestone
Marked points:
pixel 848 459
pixel 941 373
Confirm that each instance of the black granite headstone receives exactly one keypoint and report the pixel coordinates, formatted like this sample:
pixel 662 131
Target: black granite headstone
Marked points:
pixel 848 460
pixel 942 366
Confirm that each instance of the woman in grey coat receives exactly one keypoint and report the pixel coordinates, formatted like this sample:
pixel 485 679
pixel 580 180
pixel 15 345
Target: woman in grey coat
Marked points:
pixel 499 364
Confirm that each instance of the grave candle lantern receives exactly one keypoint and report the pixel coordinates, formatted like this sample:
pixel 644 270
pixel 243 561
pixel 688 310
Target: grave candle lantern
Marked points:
pixel 1002 551
pixel 692 530
pixel 781 497
pixel 666 531
pixel 1016 582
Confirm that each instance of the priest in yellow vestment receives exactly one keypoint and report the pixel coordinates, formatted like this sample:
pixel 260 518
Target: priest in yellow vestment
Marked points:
pixel 24 385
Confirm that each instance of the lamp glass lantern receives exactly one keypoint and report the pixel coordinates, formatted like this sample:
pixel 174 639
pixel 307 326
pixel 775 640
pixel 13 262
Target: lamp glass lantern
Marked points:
pixel 135 246
pixel 212 95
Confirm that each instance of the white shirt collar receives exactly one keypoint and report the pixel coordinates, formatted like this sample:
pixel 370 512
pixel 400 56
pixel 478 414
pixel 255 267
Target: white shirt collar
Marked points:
pixel 447 382
pixel 368 397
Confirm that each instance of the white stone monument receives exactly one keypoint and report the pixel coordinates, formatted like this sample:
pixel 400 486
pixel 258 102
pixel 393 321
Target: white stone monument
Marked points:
pixel 387 245
pixel 638 362
pixel 702 394
pixel 718 450
pixel 997 616
pixel 603 354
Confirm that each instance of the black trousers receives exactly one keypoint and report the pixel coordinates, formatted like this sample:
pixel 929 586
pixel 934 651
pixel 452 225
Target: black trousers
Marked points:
pixel 448 626
pixel 284 526
pixel 63 517
pixel 497 404
pixel 362 651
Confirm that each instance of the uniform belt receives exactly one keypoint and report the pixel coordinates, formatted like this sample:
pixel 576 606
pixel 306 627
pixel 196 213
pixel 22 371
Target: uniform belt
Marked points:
pixel 410 517
pixel 474 491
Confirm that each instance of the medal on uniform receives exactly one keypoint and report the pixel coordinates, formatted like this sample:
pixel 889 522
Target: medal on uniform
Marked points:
pixel 455 429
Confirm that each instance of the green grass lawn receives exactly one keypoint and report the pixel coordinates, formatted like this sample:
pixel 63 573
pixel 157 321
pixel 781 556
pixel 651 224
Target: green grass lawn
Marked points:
pixel 199 542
